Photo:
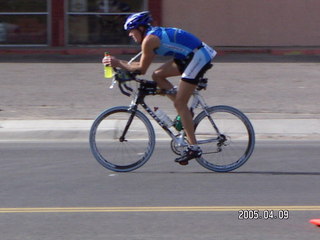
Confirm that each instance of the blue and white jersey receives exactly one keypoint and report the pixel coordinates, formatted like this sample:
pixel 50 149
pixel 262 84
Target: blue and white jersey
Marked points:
pixel 174 42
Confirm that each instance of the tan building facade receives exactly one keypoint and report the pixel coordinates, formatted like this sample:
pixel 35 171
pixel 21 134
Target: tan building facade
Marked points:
pixel 247 23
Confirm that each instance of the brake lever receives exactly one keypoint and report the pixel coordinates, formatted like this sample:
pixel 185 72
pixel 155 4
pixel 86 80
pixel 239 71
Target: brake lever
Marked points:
pixel 113 83
pixel 113 80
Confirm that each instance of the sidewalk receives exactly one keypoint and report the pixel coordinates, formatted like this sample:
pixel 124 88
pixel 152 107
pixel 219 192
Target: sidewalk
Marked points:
pixel 55 98
pixel 68 130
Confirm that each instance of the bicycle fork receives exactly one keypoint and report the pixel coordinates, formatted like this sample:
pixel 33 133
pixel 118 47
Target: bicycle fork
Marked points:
pixel 125 130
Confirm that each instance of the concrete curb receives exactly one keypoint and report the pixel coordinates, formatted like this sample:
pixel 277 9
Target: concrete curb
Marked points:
pixel 58 130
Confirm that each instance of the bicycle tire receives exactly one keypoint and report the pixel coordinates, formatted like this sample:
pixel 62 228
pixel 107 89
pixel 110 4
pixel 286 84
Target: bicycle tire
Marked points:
pixel 232 147
pixel 122 155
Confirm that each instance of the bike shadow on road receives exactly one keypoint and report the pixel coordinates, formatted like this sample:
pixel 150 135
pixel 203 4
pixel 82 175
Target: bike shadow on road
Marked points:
pixel 290 173
pixel 276 173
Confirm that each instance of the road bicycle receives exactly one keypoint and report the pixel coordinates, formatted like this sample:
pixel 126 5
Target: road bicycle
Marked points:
pixel 123 139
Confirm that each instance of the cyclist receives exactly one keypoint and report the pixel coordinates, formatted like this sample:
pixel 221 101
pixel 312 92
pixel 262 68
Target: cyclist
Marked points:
pixel 191 59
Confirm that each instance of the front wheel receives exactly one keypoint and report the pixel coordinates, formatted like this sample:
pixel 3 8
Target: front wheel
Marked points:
pixel 121 140
pixel 226 138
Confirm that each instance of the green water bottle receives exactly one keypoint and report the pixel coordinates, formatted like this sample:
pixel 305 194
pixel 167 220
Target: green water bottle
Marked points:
pixel 108 71
pixel 178 123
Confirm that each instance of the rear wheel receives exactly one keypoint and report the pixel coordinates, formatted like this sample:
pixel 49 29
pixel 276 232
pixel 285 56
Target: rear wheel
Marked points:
pixel 226 138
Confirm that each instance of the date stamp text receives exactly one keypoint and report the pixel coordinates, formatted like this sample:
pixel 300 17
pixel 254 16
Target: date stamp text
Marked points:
pixel 263 214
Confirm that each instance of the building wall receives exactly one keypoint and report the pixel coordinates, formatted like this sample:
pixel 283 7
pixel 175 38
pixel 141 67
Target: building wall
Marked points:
pixel 247 22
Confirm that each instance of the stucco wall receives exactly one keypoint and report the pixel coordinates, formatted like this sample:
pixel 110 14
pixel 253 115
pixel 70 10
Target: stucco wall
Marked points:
pixel 247 22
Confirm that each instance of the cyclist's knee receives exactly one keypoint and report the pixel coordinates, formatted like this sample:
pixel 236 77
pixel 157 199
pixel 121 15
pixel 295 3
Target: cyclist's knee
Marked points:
pixel 157 75
pixel 179 104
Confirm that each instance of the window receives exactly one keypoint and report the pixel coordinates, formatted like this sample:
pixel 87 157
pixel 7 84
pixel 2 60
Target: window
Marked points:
pixel 23 22
pixel 100 22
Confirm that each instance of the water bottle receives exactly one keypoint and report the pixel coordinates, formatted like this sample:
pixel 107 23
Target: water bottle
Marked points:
pixel 108 71
pixel 178 123
pixel 163 117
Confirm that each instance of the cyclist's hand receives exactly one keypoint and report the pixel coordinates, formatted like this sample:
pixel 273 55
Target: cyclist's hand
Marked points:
pixel 106 61
pixel 111 61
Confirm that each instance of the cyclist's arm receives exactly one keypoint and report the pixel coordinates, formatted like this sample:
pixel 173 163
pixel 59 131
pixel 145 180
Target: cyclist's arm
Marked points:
pixel 150 43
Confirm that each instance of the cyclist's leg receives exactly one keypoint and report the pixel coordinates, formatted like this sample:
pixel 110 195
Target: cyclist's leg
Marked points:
pixel 183 95
pixel 160 75
pixel 189 81
pixel 170 69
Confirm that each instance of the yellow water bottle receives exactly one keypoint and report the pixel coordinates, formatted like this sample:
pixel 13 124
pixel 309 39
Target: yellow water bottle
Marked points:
pixel 108 71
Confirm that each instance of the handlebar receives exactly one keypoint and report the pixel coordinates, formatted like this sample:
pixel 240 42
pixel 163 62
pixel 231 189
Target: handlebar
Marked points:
pixel 122 77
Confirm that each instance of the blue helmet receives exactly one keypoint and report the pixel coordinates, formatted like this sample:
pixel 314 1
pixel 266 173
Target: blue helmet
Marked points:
pixel 138 19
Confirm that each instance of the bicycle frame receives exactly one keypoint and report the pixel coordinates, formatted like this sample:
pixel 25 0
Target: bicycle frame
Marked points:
pixel 180 138
pixel 138 99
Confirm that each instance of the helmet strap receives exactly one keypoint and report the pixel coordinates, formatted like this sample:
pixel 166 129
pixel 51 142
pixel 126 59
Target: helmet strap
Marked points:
pixel 143 32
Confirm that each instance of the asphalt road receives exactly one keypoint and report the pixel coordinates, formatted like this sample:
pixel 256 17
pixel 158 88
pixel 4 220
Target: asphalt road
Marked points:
pixel 56 190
